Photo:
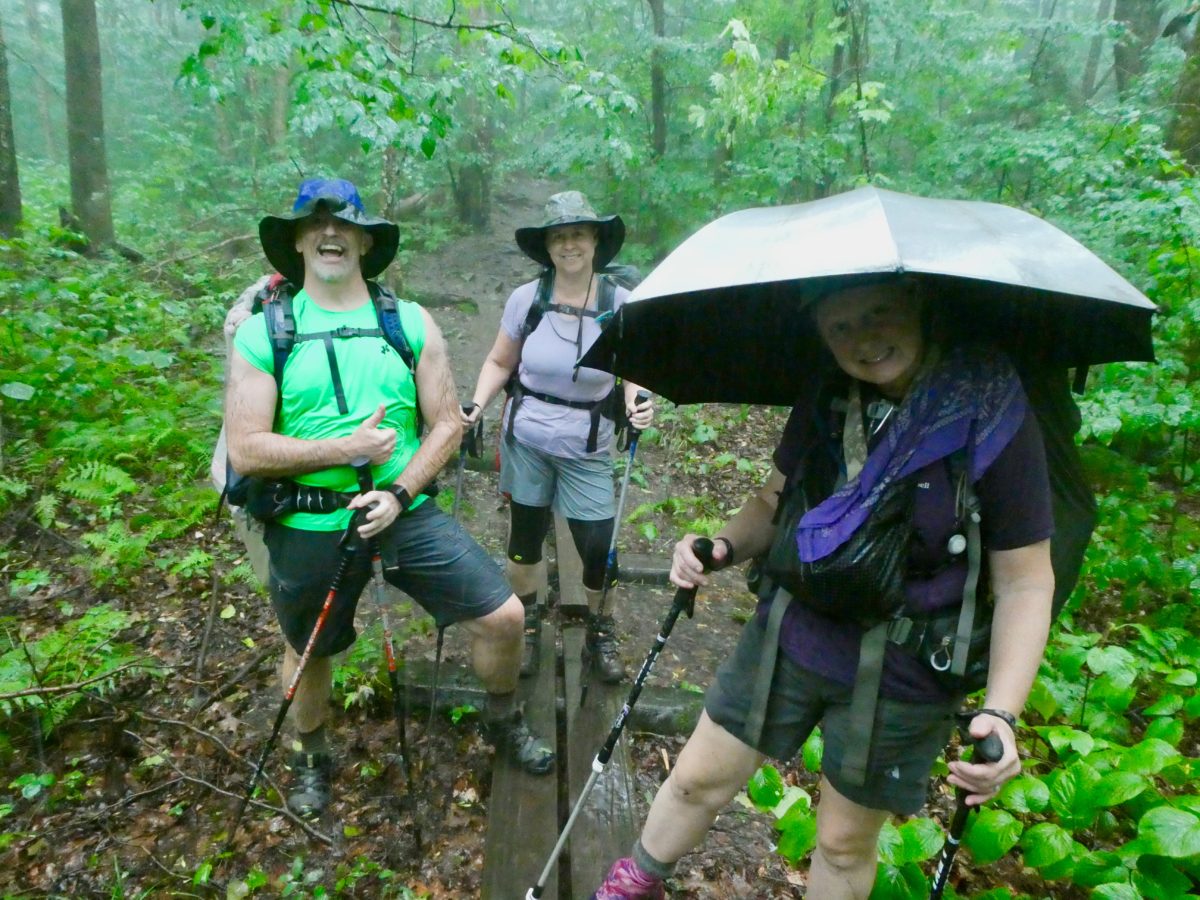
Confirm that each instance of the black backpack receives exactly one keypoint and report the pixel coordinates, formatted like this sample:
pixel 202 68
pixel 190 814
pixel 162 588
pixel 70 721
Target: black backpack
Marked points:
pixel 267 499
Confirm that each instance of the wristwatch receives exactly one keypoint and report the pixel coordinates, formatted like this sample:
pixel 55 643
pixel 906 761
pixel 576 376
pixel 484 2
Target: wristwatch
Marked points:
pixel 400 492
pixel 728 560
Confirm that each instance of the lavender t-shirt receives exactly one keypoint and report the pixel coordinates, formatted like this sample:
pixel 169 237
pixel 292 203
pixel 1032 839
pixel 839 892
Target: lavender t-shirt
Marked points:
pixel 547 366
pixel 1014 495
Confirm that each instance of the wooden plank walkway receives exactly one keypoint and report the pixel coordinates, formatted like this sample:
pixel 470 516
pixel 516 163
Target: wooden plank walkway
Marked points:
pixel 526 813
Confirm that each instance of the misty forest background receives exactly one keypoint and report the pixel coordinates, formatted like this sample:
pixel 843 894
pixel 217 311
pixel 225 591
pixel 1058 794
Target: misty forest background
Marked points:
pixel 141 141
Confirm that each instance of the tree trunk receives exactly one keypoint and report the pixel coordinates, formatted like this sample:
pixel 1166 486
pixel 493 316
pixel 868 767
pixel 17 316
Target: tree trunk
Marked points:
pixel 1087 85
pixel 90 198
pixel 33 22
pixel 1184 135
pixel 280 97
pixel 10 183
pixel 658 82
pixel 1140 19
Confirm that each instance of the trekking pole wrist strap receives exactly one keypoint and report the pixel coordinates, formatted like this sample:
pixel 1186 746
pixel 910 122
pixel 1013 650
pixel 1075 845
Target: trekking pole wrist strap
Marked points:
pixel 1003 714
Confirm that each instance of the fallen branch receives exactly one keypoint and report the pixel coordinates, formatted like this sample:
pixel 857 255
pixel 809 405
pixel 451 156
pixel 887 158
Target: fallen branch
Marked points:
pixel 204 250
pixel 230 683
pixel 68 688
pixel 279 811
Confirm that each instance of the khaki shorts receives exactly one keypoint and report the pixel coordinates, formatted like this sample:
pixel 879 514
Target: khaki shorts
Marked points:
pixel 906 740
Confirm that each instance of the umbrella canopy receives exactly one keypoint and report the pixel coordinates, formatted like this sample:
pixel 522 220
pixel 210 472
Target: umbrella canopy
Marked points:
pixel 722 318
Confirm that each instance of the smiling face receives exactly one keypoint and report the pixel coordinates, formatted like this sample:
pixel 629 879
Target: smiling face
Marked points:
pixel 332 249
pixel 874 334
pixel 572 248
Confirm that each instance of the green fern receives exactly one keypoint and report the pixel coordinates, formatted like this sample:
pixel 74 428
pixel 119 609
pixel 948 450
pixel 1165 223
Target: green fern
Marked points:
pixel 78 651
pixel 45 508
pixel 97 482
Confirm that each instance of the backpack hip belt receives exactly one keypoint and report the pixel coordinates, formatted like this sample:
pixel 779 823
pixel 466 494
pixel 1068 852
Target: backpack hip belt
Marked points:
pixel 597 409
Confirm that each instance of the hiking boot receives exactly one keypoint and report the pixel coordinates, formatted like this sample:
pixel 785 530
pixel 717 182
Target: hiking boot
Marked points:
pixel 311 776
pixel 510 735
pixel 627 881
pixel 602 649
pixel 531 652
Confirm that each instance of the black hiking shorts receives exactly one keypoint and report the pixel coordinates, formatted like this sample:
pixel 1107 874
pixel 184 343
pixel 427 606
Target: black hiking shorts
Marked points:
pixel 426 554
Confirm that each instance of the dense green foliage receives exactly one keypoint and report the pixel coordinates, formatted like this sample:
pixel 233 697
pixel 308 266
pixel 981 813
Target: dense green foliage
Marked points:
pixel 109 382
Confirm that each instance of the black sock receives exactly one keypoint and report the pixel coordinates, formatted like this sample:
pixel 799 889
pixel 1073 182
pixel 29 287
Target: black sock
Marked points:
pixel 500 706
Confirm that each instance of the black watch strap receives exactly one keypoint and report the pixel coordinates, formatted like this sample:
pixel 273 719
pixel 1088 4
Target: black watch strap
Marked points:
pixel 401 494
pixel 728 560
pixel 999 714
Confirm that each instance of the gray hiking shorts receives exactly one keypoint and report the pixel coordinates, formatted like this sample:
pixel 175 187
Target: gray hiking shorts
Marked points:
pixel 906 741
pixel 425 553
pixel 577 488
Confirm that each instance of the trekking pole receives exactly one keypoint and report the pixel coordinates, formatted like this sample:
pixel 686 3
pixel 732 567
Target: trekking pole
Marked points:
pixel 472 445
pixel 990 749
pixel 366 483
pixel 610 562
pixel 685 602
pixel 349 546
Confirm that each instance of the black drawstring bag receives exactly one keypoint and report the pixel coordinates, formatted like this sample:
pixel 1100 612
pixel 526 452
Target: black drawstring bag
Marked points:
pixel 863 579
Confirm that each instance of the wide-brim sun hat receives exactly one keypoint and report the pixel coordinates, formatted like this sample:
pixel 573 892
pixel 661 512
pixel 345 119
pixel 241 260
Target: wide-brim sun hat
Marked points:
pixel 572 208
pixel 340 197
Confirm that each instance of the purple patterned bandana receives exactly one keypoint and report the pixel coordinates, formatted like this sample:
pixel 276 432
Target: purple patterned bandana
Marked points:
pixel 971 397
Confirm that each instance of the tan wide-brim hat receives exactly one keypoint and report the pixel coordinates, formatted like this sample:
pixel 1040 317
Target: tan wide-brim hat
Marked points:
pixel 571 208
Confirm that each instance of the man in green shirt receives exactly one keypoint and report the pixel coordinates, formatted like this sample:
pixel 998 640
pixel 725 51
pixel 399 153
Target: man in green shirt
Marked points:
pixel 345 394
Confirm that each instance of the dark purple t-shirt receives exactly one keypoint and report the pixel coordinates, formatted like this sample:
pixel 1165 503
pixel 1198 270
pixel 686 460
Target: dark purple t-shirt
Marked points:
pixel 1014 496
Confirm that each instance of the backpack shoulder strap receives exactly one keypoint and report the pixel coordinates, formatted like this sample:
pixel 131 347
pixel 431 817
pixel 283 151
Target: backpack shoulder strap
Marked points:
pixel 541 302
pixel 606 297
pixel 276 304
pixel 387 311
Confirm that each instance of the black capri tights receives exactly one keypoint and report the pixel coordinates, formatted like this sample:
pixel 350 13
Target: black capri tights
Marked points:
pixel 528 533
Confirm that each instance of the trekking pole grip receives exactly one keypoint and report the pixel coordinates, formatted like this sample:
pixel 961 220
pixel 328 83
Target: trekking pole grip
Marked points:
pixel 989 748
pixel 638 399
pixel 362 469
pixel 472 440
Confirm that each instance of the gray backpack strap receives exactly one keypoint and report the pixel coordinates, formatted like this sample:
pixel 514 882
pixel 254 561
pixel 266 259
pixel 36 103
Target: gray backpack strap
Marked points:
pixel 757 716
pixel 863 701
pixel 966 617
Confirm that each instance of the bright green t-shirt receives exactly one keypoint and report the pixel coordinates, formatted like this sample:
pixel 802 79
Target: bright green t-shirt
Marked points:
pixel 372 372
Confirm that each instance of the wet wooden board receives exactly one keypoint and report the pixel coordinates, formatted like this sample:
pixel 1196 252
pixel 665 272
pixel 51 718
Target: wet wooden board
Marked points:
pixel 523 809
pixel 605 829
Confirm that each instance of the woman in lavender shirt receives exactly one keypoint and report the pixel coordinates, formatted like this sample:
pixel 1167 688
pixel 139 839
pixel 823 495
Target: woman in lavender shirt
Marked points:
pixel 558 427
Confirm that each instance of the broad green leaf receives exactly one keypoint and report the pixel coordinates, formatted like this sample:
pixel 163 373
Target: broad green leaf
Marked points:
pixel 1149 757
pixel 229 611
pixel 1182 678
pixel 813 750
pixel 891 845
pixel 1167 705
pixel 900 883
pixel 1157 876
pixel 923 839
pixel 1116 662
pixel 1094 869
pixel 1116 891
pixel 1063 738
pixel 765 788
pixel 1115 788
pixel 1168 730
pixel 17 390
pixel 1071 794
pixel 990 834
pixel 1045 844
pixel 1171 832
pixel 1025 794
pixel 798 833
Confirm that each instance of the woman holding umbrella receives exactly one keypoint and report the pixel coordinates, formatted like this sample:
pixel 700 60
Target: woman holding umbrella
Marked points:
pixel 901 440
pixel 558 429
